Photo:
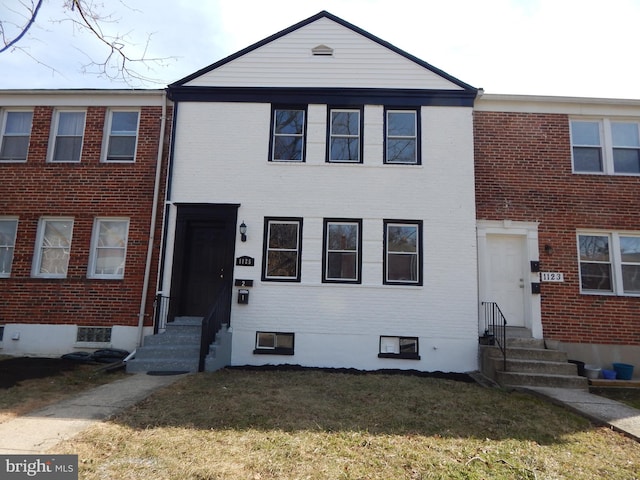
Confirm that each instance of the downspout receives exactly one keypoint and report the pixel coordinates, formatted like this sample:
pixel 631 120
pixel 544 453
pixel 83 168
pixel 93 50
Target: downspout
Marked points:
pixel 154 214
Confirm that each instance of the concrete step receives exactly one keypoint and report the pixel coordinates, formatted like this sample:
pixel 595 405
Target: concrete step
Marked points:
pixel 520 342
pixel 536 366
pixel 162 365
pixel 169 352
pixel 515 379
pixel 542 354
pixel 172 338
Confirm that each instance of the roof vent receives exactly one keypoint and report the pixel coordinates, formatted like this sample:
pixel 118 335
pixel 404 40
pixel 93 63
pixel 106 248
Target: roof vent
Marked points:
pixel 322 51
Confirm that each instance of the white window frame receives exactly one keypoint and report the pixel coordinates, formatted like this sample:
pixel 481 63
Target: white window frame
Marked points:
pixel 8 245
pixel 415 138
pixel 267 249
pixel 300 136
pixel 327 251
pixel 108 134
pixel 54 135
pixel 417 255
pixel 4 134
pixel 37 257
pixel 615 261
pixel 606 144
pixel 95 247
pixel 344 136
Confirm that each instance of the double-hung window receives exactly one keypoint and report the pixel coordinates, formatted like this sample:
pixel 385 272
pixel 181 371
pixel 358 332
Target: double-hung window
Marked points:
pixel 288 134
pixel 8 229
pixel 609 263
pixel 108 248
pixel 16 129
pixel 282 249
pixel 122 136
pixel 342 251
pixel 69 130
pixel 605 146
pixel 403 252
pixel 344 136
pixel 402 137
pixel 53 247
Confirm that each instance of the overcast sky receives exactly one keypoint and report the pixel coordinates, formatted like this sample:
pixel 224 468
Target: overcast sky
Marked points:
pixel 582 48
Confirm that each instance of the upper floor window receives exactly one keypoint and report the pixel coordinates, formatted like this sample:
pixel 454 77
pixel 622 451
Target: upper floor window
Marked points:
pixel 108 248
pixel 69 130
pixel 344 136
pixel 288 129
pixel 609 263
pixel 8 229
pixel 402 252
pixel 605 146
pixel 402 137
pixel 288 135
pixel 16 129
pixel 342 251
pixel 122 136
pixel 53 247
pixel 282 249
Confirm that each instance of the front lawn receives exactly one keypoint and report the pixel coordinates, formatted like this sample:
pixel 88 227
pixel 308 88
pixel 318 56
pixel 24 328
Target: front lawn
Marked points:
pixel 259 425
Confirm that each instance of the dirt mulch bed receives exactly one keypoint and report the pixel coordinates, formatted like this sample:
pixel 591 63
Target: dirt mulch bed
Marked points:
pixel 17 369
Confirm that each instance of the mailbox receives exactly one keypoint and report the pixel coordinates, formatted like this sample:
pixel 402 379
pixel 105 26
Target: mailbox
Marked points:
pixel 243 296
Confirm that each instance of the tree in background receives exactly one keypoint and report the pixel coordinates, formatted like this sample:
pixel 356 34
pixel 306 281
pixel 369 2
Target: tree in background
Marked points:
pixel 86 15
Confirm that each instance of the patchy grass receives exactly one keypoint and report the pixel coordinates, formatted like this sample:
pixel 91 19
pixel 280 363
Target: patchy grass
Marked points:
pixel 630 396
pixel 27 383
pixel 236 424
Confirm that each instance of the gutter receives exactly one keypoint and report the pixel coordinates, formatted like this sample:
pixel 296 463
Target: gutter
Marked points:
pixel 154 215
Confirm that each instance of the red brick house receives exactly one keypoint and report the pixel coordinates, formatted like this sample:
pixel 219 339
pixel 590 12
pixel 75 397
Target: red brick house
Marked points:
pixel 558 182
pixel 83 175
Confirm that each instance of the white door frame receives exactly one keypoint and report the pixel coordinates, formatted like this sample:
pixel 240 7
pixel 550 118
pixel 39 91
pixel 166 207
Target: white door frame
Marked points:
pixel 528 231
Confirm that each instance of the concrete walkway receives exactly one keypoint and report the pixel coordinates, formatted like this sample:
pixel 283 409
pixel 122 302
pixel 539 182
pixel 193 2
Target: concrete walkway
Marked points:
pixel 41 430
pixel 599 410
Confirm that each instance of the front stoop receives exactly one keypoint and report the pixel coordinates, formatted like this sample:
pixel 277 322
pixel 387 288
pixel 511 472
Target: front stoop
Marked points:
pixel 177 349
pixel 529 363
pixel 219 355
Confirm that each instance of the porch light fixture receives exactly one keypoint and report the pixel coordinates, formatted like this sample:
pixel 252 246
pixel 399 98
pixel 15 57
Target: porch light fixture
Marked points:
pixel 548 249
pixel 243 232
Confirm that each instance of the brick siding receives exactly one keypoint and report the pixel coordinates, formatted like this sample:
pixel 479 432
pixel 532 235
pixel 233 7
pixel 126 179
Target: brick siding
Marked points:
pixel 83 190
pixel 523 173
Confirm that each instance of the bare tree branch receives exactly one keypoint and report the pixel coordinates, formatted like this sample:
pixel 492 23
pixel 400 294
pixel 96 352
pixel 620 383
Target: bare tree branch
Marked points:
pixel 118 64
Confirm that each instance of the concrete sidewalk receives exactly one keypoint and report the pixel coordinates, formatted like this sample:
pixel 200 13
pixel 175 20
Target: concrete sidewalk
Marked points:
pixel 41 430
pixel 599 410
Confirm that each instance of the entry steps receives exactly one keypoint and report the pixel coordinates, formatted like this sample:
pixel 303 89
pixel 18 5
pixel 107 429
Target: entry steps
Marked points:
pixel 530 363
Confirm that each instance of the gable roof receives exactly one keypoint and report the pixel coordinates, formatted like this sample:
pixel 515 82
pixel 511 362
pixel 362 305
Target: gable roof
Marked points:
pixel 455 84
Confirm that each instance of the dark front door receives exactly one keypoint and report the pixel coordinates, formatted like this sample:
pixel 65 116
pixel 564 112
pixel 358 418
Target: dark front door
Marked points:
pixel 203 257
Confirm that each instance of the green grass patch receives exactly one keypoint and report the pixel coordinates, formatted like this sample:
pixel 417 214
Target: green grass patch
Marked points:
pixel 320 425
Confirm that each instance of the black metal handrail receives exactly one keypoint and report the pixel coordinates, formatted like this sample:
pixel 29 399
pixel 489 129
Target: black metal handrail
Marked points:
pixel 218 315
pixel 495 327
pixel 160 313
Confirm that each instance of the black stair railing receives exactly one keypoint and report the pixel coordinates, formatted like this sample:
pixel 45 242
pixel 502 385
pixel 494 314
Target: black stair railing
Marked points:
pixel 219 314
pixel 495 328
pixel 160 313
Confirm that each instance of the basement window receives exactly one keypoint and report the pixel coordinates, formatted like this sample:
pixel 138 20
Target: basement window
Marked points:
pixel 94 335
pixel 1 332
pixel 274 343
pixel 399 347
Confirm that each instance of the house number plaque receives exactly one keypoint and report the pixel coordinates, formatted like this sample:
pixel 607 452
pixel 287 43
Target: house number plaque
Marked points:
pixel 552 276
pixel 246 261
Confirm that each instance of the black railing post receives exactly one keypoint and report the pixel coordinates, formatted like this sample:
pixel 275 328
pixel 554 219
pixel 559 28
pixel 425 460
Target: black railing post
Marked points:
pixel 160 312
pixel 495 325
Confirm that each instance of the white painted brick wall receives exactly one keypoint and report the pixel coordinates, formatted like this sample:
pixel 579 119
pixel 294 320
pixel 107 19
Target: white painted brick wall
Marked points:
pixel 221 157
